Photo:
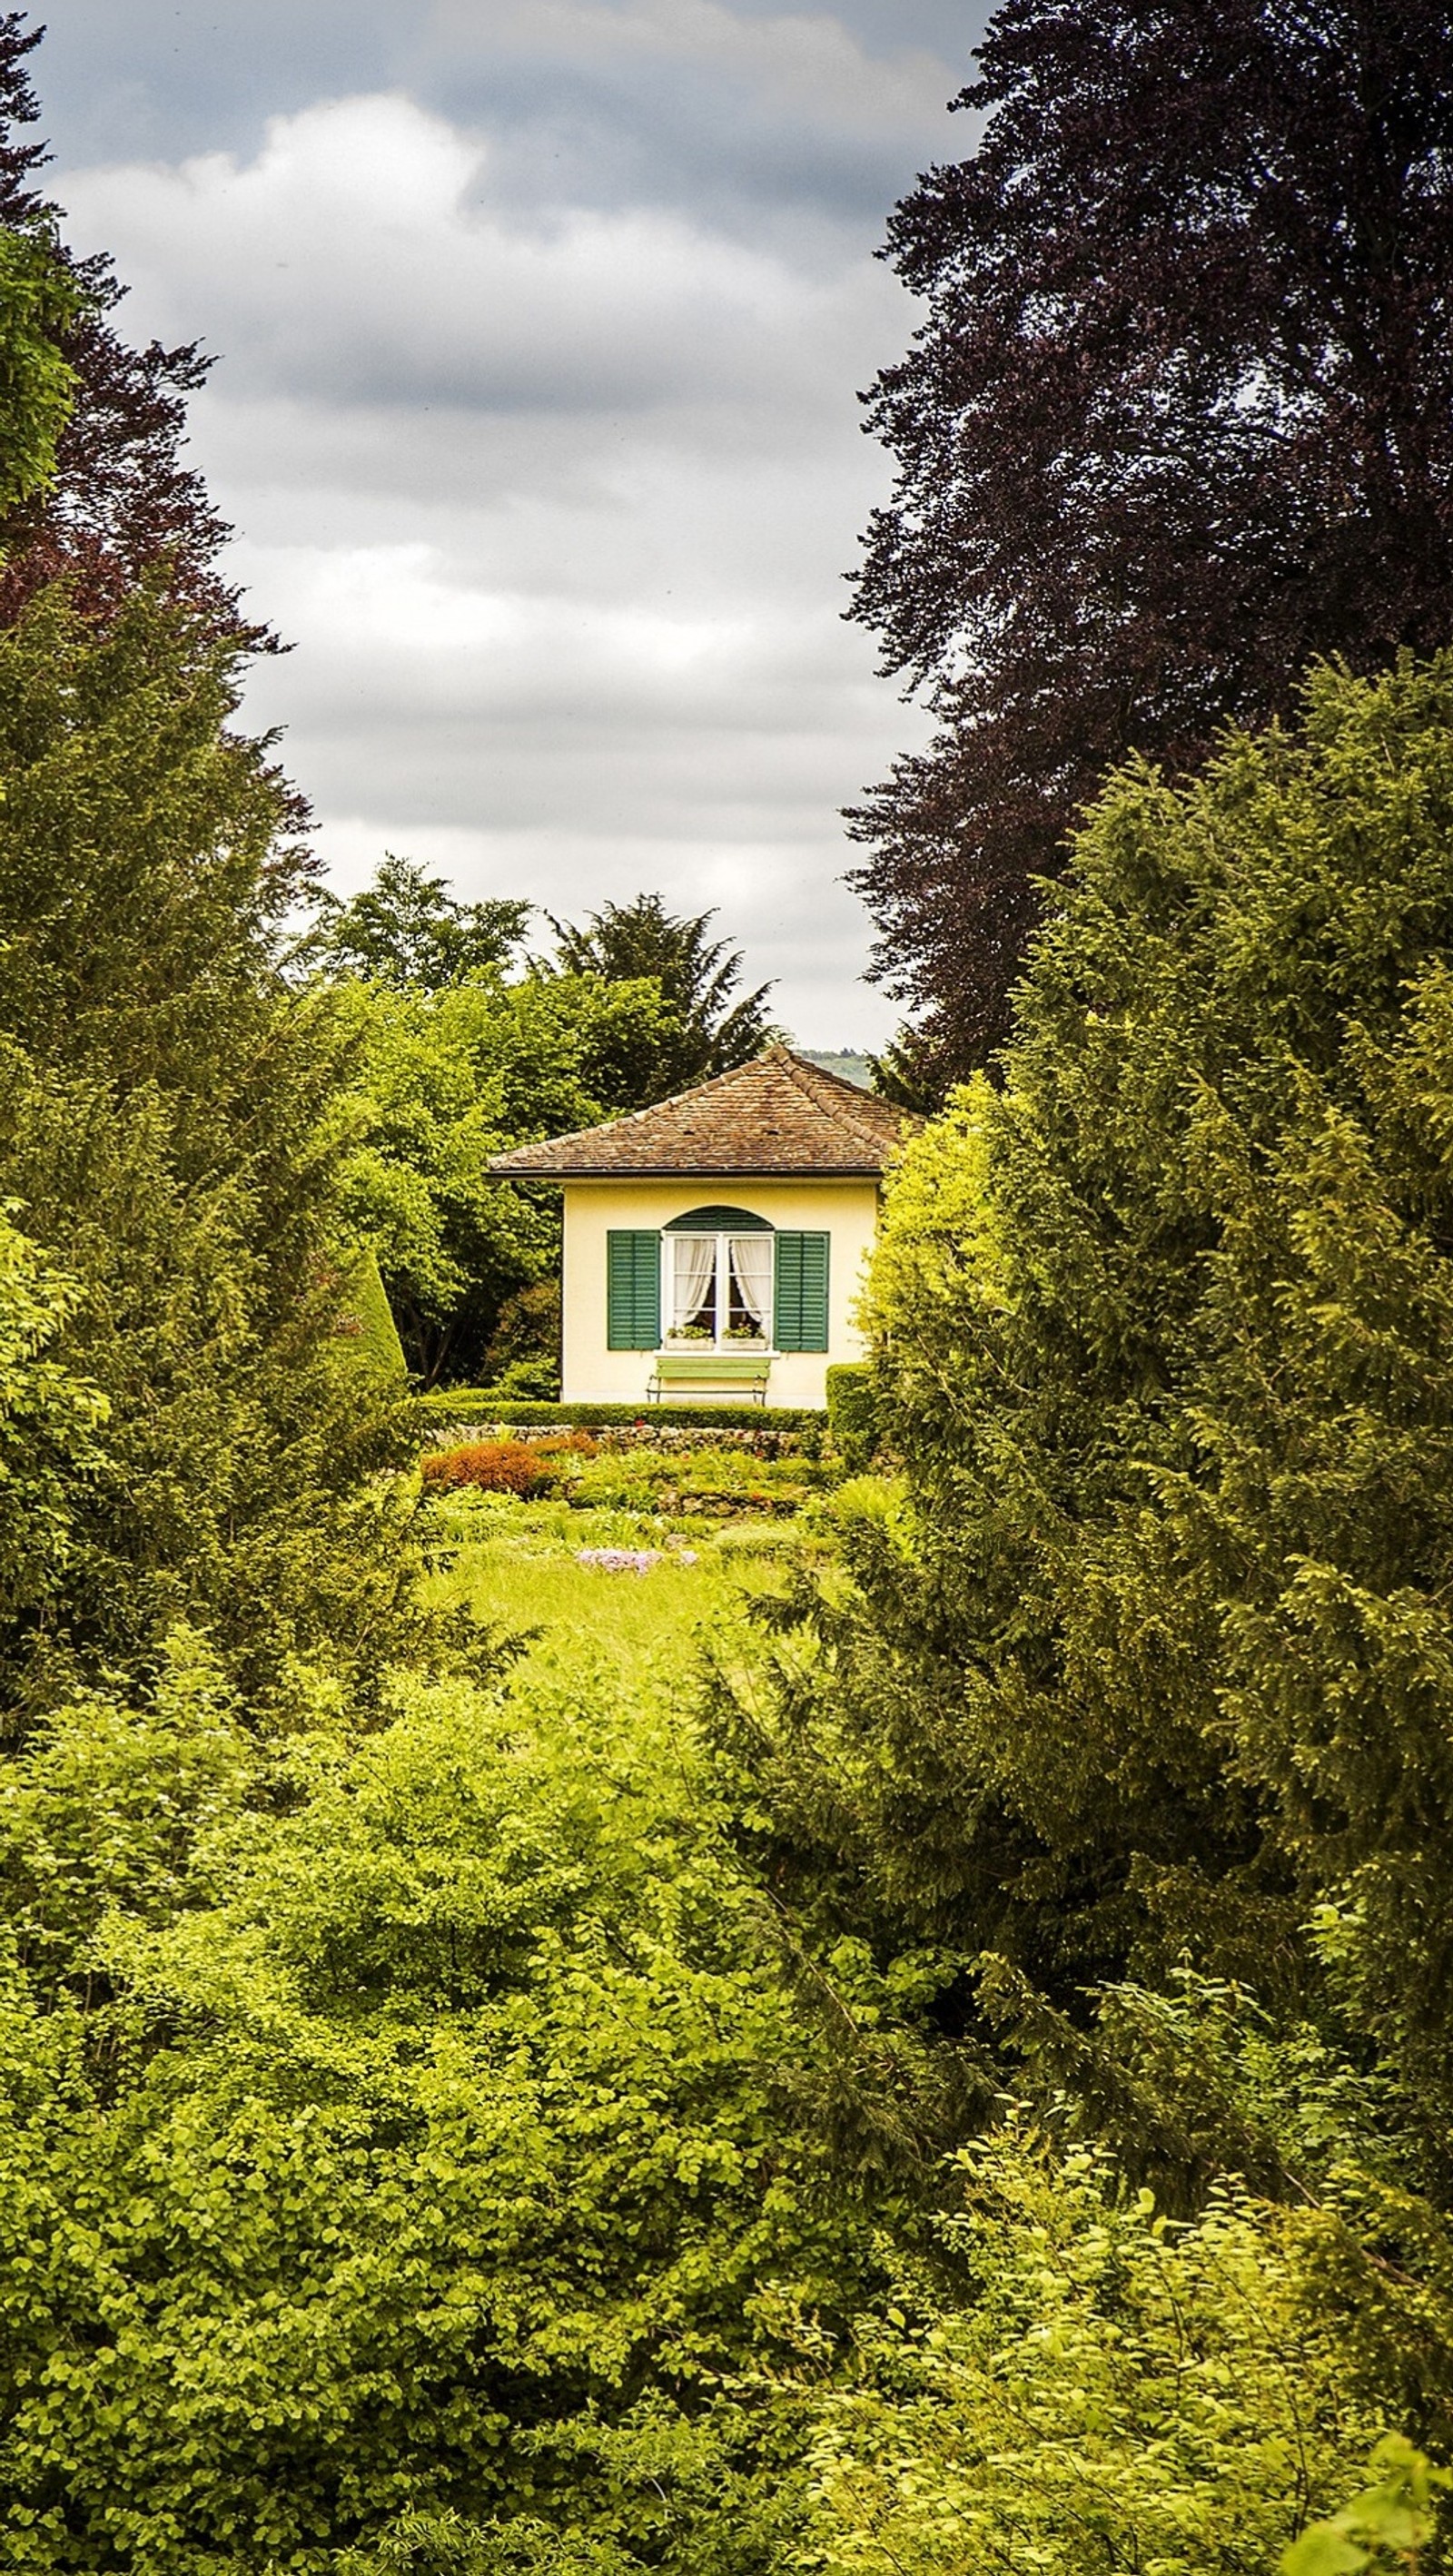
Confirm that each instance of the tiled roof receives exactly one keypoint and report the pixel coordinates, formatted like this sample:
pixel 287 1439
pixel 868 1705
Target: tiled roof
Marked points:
pixel 778 1114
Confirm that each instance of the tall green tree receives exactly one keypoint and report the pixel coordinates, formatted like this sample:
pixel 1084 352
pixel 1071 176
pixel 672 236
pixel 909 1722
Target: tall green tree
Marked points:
pixel 1152 1653
pixel 698 977
pixel 448 1078
pixel 1176 418
pixel 407 930
pixel 172 1124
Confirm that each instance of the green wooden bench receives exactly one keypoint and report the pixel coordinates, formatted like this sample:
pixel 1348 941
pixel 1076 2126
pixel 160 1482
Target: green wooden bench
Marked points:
pixel 732 1371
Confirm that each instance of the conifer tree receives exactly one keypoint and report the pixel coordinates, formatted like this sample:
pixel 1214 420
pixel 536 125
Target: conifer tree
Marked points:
pixel 1157 1655
pixel 172 1124
pixel 698 977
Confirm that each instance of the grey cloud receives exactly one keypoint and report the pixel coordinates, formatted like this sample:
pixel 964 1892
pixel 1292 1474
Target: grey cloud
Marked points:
pixel 740 115
pixel 737 110
pixel 347 259
pixel 550 466
pixel 125 79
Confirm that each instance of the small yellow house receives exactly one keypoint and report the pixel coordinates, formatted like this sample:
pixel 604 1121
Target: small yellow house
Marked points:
pixel 714 1243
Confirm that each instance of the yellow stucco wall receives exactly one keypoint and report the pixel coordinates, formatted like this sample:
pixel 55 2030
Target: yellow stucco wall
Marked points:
pixel 846 1211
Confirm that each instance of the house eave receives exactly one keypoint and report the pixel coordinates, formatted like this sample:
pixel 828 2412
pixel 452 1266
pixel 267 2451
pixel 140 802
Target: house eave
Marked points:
pixel 693 1172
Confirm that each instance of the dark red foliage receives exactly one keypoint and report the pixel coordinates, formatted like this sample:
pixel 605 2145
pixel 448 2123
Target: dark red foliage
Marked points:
pixel 1179 419
pixel 495 1466
pixel 122 502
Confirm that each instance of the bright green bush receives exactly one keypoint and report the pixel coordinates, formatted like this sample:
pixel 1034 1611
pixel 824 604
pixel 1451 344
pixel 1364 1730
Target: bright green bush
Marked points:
pixel 1111 2390
pixel 1386 2526
pixel 397 2130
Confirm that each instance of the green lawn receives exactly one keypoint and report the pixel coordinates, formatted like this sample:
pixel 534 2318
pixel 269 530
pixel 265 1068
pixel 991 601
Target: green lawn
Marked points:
pixel 641 1625
pixel 517 1566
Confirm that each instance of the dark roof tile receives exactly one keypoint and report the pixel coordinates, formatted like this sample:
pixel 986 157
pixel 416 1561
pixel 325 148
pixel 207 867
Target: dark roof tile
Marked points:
pixel 779 1114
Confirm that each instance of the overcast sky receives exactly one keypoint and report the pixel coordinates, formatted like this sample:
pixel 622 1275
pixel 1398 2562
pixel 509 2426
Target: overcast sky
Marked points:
pixel 540 326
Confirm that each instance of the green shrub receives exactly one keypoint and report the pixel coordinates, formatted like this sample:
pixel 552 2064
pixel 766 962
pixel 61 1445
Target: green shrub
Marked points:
pixel 527 1337
pixel 366 1323
pixel 416 2144
pixel 1113 2391
pixel 852 1413
pixel 531 1381
pixel 481 1404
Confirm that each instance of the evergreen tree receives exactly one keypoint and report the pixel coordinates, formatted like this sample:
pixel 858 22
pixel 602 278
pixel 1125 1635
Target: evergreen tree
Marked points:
pixel 1155 1653
pixel 625 941
pixel 1176 421
pixel 172 1123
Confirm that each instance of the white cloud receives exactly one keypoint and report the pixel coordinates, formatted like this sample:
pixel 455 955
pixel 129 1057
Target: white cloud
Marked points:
pixel 354 260
pixel 554 505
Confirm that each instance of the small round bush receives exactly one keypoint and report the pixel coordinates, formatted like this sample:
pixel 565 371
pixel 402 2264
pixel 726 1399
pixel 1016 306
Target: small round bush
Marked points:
pixel 497 1466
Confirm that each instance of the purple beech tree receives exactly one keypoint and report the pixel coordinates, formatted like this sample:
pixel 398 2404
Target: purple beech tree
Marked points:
pixel 1179 419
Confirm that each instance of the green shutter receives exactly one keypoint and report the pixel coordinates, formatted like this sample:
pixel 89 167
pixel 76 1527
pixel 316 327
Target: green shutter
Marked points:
pixel 633 1290
pixel 801 1317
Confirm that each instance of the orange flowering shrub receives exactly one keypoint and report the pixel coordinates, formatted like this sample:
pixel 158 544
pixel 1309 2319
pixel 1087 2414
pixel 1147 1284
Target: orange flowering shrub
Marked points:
pixel 499 1466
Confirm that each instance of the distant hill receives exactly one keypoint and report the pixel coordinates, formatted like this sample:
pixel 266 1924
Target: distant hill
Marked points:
pixel 849 1066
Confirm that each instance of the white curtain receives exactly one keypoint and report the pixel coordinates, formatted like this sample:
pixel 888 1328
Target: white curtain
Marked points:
pixel 693 1267
pixel 751 1260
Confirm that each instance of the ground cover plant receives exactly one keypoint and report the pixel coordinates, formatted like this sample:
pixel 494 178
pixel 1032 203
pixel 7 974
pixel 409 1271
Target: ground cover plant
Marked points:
pixel 725 1480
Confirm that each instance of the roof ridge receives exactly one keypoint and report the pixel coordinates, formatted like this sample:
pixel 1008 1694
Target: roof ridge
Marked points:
pixel 777 1112
pixel 849 1097
pixel 652 1109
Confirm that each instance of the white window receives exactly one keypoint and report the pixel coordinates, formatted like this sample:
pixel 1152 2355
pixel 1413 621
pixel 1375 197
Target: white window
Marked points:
pixel 719 1288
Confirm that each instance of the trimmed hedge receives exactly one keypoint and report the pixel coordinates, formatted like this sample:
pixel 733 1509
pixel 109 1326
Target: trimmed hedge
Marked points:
pixel 852 1412
pixel 476 1404
pixel 366 1323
